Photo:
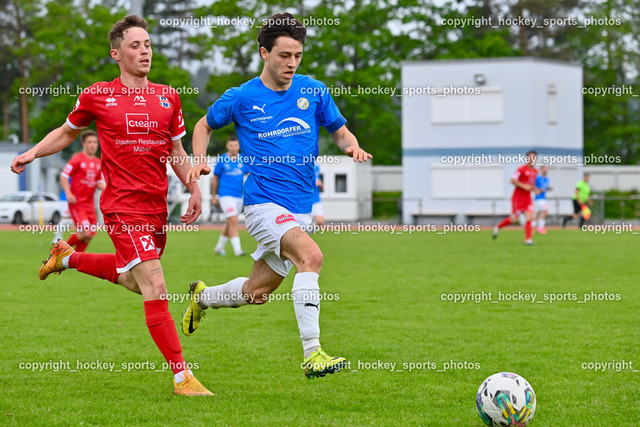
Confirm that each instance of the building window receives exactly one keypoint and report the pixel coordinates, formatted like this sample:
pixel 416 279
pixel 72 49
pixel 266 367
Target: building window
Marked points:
pixel 341 183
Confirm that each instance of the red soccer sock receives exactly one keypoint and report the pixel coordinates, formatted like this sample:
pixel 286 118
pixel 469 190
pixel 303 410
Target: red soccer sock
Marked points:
pixel 81 246
pixel 102 266
pixel 73 240
pixel 505 222
pixel 528 230
pixel 164 333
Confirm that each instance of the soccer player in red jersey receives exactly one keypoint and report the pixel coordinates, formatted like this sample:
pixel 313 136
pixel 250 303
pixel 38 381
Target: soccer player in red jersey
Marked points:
pixel 524 180
pixel 83 170
pixel 140 125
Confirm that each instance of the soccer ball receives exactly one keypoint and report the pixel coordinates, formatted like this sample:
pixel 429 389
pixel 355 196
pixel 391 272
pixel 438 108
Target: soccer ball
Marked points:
pixel 506 399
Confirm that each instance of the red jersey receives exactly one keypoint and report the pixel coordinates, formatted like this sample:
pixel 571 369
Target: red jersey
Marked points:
pixel 136 128
pixel 525 175
pixel 85 174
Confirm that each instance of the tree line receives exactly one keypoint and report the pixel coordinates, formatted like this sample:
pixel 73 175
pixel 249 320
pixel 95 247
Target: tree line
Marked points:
pixel 49 47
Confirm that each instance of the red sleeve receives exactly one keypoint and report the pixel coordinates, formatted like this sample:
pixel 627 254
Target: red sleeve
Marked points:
pixel 517 174
pixel 70 168
pixel 82 114
pixel 176 128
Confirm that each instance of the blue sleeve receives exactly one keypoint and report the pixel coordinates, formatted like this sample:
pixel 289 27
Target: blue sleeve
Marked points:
pixel 221 112
pixel 217 171
pixel 539 182
pixel 330 116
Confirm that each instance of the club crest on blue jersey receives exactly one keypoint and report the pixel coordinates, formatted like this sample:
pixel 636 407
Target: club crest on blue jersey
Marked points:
pixel 303 103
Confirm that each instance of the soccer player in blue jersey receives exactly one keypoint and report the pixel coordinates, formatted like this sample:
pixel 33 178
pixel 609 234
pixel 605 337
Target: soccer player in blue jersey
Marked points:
pixel 317 211
pixel 227 184
pixel 540 201
pixel 277 117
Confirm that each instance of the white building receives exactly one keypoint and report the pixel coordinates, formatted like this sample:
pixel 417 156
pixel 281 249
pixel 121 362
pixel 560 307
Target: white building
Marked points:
pixel 466 122
pixel 41 175
pixel 347 188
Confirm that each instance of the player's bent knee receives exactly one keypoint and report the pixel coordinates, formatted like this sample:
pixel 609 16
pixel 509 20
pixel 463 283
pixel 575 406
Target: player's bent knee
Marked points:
pixel 85 236
pixel 311 260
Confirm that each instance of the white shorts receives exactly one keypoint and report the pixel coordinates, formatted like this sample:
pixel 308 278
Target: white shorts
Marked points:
pixel 231 206
pixel 317 209
pixel 267 223
pixel 540 204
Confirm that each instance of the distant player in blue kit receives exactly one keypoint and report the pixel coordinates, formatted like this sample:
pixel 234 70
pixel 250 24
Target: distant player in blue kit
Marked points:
pixel 227 184
pixel 540 201
pixel 317 211
pixel 277 117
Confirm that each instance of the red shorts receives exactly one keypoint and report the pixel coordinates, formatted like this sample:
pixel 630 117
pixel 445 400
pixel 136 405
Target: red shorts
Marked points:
pixel 84 216
pixel 136 237
pixel 521 204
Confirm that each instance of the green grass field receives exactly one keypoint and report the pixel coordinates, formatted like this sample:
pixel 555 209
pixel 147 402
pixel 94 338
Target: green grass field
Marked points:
pixel 390 310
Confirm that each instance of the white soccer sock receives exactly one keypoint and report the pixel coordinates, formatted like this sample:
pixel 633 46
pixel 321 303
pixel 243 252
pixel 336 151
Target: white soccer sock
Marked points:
pixel 235 242
pixel 222 241
pixel 65 261
pixel 541 222
pixel 180 376
pixel 227 295
pixel 306 303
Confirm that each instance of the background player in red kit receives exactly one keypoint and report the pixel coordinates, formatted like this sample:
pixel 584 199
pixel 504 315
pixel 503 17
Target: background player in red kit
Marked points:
pixel 84 172
pixel 524 180
pixel 140 125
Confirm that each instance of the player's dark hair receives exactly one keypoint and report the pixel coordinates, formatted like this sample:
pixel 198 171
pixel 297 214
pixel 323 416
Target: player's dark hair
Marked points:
pixel 534 152
pixel 232 137
pixel 281 24
pixel 116 35
pixel 87 133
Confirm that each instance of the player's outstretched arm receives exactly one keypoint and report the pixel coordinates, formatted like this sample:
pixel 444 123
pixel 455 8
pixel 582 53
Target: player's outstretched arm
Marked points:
pixel 348 143
pixel 200 141
pixel 214 189
pixel 54 142
pixel 66 187
pixel 182 167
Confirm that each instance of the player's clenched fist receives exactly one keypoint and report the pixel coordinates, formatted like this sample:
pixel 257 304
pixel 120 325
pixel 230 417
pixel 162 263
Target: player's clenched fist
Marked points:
pixel 197 170
pixel 19 163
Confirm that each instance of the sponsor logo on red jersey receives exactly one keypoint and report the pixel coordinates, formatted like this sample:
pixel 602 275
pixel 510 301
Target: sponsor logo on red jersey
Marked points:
pixel 139 123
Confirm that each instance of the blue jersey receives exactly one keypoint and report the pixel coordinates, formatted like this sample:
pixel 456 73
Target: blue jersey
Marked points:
pixel 230 173
pixel 542 182
pixel 316 192
pixel 278 135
